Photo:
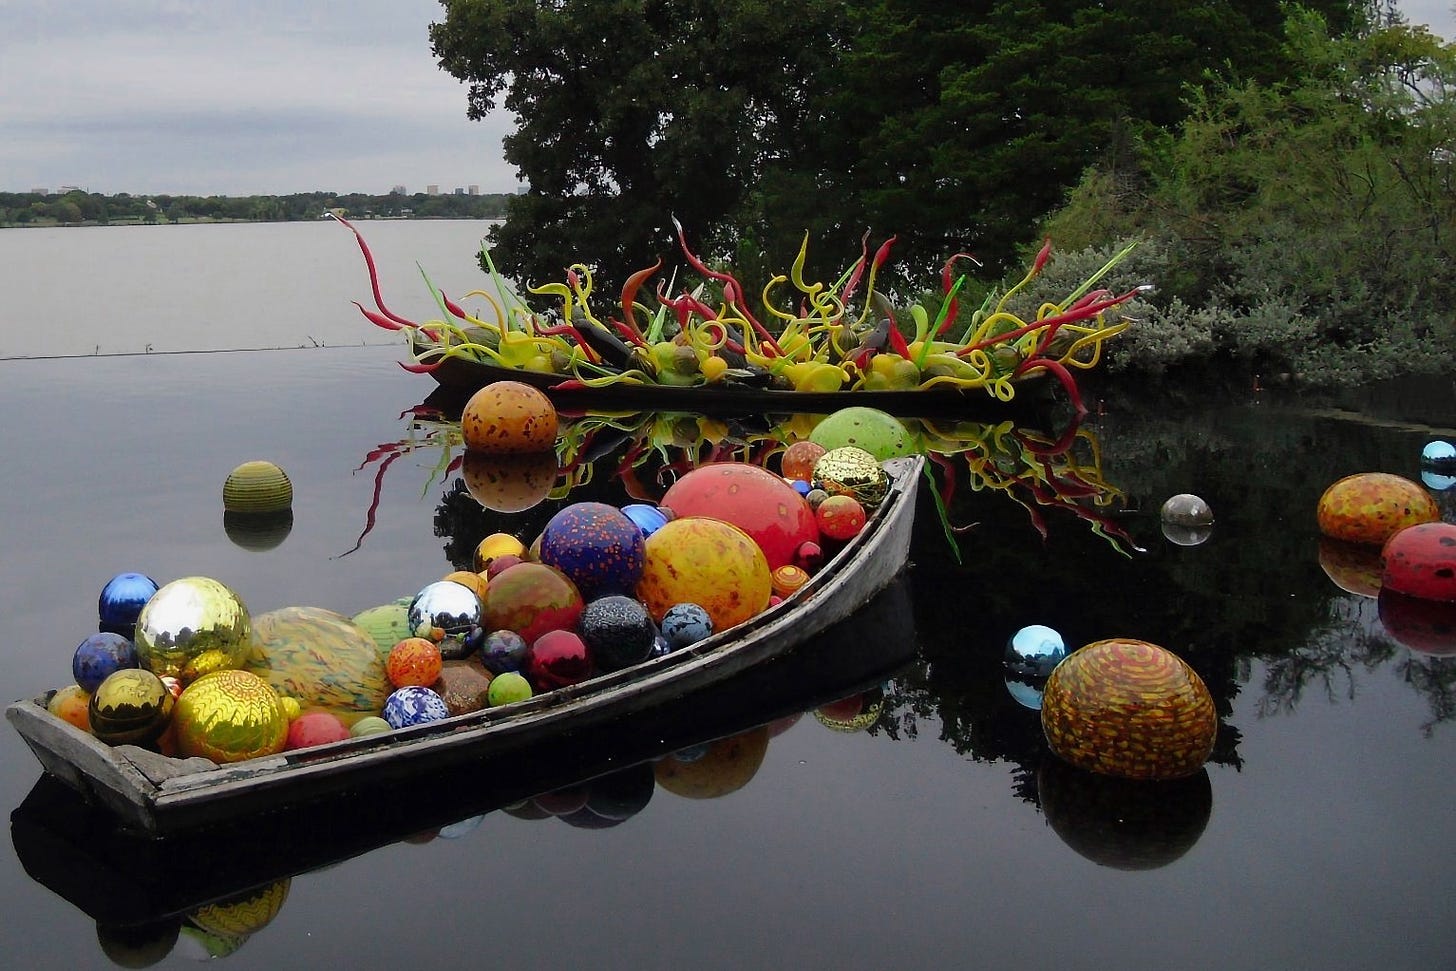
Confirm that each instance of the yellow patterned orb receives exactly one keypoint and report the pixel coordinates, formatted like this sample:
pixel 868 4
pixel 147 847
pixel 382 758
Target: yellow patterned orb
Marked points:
pixel 257 486
pixel 191 627
pixel 497 544
pixel 131 707
pixel 229 716
pixel 708 562
pixel 322 658
pixel 1127 708
pixel 852 471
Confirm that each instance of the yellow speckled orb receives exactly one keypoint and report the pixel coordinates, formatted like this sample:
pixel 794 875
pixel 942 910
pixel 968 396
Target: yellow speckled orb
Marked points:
pixel 1371 507
pixel 257 486
pixel 494 545
pixel 184 622
pixel 72 704
pixel 708 562
pixel 230 716
pixel 322 658
pixel 852 471
pixel 1127 708
pixel 131 707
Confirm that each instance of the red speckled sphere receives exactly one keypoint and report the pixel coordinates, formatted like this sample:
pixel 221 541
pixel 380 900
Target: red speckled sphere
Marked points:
pixel 509 418
pixel 755 500
pixel 414 661
pixel 707 562
pixel 1420 561
pixel 556 659
pixel 1371 507
pixel 1127 708
pixel 840 517
pixel 531 599
pixel 799 458
pixel 315 728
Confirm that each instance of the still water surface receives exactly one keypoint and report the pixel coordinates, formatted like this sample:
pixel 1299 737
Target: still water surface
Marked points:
pixel 942 834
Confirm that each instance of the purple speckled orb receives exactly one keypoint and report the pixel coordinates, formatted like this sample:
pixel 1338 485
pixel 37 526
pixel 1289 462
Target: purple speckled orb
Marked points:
pixel 100 656
pixel 122 600
pixel 414 705
pixel 503 650
pixel 597 546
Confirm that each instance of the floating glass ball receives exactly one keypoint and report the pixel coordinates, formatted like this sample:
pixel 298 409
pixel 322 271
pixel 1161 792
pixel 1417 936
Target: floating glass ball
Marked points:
pixel 558 658
pixel 1439 455
pixel 1186 509
pixel 531 599
pixel 1371 507
pixel 1034 651
pixel 684 624
pixel 131 707
pixel 597 546
pixel 503 651
pixel 100 656
pixel 618 631
pixel 450 614
pixel 877 432
pixel 648 518
pixel 752 498
pixel 852 471
pixel 230 716
pixel 710 563
pixel 257 487
pixel 1420 561
pixel 1127 708
pixel 509 418
pixel 122 600
pixel 414 705
pixel 321 658
pixel 414 660
pixel 190 627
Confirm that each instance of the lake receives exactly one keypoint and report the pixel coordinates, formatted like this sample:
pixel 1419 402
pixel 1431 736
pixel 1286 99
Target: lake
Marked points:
pixel 923 823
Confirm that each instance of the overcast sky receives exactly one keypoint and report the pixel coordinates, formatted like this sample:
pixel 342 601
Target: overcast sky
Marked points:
pixel 253 97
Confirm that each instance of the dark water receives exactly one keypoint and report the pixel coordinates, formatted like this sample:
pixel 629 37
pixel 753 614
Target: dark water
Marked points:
pixel 943 833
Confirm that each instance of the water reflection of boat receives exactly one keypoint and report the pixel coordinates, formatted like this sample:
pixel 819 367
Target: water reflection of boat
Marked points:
pixel 160 794
pixel 141 890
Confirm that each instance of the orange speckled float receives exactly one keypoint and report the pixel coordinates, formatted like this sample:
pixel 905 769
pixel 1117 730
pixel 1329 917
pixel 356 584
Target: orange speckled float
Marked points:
pixel 1127 708
pixel 1371 507
pixel 509 418
pixel 708 562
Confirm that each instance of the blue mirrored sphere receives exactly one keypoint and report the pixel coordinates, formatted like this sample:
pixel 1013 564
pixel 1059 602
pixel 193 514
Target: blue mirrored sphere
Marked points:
pixel 122 599
pixel 648 518
pixel 1439 455
pixel 1033 651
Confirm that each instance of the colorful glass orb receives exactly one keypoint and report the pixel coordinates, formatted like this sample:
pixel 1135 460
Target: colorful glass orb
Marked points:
pixel 648 518
pixel 230 716
pixel 618 631
pixel 1127 708
pixel 840 517
pixel 1439 455
pixel 131 707
pixel 72 704
pixel 1371 507
pixel 597 546
pixel 508 688
pixel 463 684
pixel 496 544
pixel 100 656
pixel 370 725
pixel 1420 561
pixel 477 582
pixel 509 483
pixel 798 460
pixel 852 471
pixel 710 563
pixel 789 578
pixel 755 500
pixel 728 765
pixel 257 486
pixel 881 434
pixel 449 614
pixel 414 705
pixel 556 659
pixel 321 658
pixel 388 624
pixel 509 418
pixel 414 660
pixel 531 599
pixel 503 651
pixel 501 564
pixel 684 624
pixel 315 728
pixel 191 626
pixel 122 600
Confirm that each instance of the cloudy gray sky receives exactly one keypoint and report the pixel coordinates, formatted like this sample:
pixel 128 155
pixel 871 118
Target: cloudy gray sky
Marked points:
pixel 253 96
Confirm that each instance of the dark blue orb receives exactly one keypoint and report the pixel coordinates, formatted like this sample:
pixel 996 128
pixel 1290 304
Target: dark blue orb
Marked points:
pixel 618 631
pixel 648 518
pixel 122 599
pixel 503 650
pixel 99 656
pixel 597 546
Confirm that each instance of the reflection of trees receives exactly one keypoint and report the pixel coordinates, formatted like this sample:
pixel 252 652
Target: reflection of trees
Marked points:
pixel 1434 677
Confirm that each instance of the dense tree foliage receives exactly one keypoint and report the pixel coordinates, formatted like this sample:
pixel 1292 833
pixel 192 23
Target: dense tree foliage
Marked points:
pixel 953 127
pixel 1303 227
pixel 77 207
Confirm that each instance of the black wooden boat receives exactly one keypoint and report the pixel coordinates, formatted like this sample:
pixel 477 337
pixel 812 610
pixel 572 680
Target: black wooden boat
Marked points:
pixel 161 795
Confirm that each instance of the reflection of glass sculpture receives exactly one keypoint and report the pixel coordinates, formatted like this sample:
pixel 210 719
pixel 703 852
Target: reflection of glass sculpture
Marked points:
pixel 1125 824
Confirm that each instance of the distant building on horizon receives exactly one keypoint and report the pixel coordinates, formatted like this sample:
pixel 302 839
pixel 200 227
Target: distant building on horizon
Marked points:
pixel 397 190
pixel 432 190
pixel 40 191
pixel 473 190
